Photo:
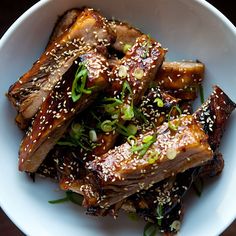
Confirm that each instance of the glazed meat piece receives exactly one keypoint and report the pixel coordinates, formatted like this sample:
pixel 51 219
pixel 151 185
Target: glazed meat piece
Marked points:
pixel 60 107
pixel 138 67
pixel 125 35
pixel 157 155
pixel 90 30
pixel 147 202
pixel 181 79
pixel 111 178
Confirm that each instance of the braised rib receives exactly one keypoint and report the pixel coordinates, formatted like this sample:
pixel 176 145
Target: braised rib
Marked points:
pixel 120 169
pixel 124 171
pixel 180 79
pixel 58 109
pixel 90 30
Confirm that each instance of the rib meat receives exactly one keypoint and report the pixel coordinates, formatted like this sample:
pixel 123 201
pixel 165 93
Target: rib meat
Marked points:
pixel 58 109
pixel 121 172
pixel 181 79
pixel 118 172
pixel 90 30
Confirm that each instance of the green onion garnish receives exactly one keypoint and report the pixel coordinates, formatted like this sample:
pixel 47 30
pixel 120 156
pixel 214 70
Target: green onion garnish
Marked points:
pixel 143 148
pixel 123 71
pixel 125 88
pixel 79 83
pixel 153 157
pixel 127 111
pixel 159 212
pixel 150 229
pixel 201 91
pixel 132 129
pixel 138 73
pixel 159 102
pixel 127 47
pixel 172 126
pixel 108 125
pixel 76 137
pixel 93 135
pixel 147 138
pixel 175 226
pixel 126 131
pixel 58 201
pixel 70 196
pixel 132 140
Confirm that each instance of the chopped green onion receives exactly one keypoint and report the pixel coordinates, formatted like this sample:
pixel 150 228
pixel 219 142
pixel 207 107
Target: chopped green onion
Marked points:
pixel 127 111
pixel 138 73
pixel 153 157
pixel 125 87
pixel 123 71
pixel 127 47
pixel 108 125
pixel 74 197
pixel 171 153
pixel 150 229
pixel 143 148
pixel 147 138
pixel 132 129
pixel 112 108
pixel 93 135
pixel 58 201
pixel 159 102
pixel 159 212
pixel 79 83
pixel 172 126
pixel 201 91
pixel 118 101
pixel 76 137
pixel 132 140
pixel 125 131
pixel 70 196
pixel 175 226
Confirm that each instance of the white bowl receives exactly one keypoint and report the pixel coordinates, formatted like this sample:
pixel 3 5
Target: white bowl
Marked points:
pixel 191 30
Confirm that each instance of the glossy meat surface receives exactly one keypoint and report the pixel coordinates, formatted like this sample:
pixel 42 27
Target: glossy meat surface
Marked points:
pixel 181 79
pixel 28 93
pixel 121 172
pixel 58 109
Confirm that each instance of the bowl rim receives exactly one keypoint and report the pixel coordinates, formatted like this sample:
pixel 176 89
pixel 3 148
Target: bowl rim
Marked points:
pixel 202 3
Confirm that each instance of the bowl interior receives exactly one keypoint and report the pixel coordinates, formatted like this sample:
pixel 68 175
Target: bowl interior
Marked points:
pixel 190 30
